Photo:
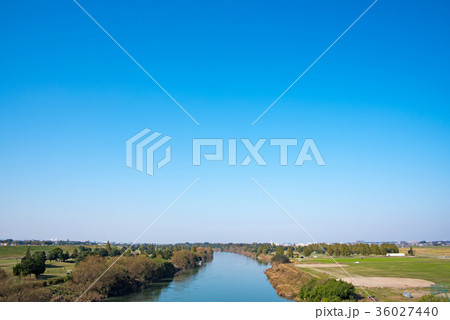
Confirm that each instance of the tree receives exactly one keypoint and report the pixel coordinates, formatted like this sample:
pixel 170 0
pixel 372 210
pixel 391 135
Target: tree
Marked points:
pixel 411 251
pixel 83 249
pixel 289 252
pixel 74 254
pixel 279 250
pixel 83 255
pixel 56 254
pixel 101 252
pixel 38 263
pixel 306 251
pixel 375 249
pixel 65 256
pixel 25 266
pixel 365 250
pixel 27 254
pixel 279 258
pixel 17 270
pixel 31 264
pixel 108 247
pixel 114 252
pixel 336 249
pixel 184 259
pixel 330 250
pixel 343 248
pixel 259 251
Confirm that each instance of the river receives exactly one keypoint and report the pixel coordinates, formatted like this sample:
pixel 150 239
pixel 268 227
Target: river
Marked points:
pixel 228 277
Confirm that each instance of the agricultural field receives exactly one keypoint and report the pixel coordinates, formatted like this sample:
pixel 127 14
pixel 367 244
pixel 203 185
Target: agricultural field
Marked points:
pixel 388 277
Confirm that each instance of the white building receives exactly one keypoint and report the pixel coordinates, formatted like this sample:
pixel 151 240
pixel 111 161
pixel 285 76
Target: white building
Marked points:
pixel 395 254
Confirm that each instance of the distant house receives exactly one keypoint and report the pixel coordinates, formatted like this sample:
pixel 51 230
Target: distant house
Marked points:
pixel 395 254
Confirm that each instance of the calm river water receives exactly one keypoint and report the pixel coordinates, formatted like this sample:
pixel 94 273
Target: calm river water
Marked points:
pixel 228 277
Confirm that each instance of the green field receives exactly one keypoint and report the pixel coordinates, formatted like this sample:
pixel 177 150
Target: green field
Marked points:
pixel 55 269
pixel 432 269
pixel 19 251
pixel 434 251
pixel 10 255
pixel 430 263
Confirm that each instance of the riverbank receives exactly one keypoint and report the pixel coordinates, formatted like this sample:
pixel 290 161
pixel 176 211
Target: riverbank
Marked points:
pixel 89 282
pixel 260 257
pixel 229 277
pixel 130 273
pixel 287 280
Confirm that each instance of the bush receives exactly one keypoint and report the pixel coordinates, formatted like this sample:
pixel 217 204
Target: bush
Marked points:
pixel 327 290
pixel 24 291
pixel 280 258
pixel 431 298
pixel 3 275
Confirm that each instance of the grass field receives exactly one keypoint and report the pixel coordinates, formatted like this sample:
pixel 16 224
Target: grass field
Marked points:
pixel 55 269
pixel 19 251
pixel 10 255
pixel 432 269
pixel 428 264
pixel 429 251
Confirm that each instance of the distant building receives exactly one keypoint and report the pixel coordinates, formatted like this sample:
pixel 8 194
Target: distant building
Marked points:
pixel 395 254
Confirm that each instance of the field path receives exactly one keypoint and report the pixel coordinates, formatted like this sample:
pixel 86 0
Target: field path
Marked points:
pixel 388 282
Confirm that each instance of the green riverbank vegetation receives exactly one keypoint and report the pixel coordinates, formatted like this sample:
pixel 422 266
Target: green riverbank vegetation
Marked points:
pixel 84 268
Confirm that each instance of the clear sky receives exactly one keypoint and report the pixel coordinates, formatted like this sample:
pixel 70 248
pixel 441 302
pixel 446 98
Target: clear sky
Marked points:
pixel 376 105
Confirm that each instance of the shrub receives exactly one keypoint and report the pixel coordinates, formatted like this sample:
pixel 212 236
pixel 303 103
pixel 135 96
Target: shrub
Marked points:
pixel 431 298
pixel 3 275
pixel 280 258
pixel 24 291
pixel 327 290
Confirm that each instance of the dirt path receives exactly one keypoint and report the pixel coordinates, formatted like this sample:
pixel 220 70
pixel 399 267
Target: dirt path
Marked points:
pixel 320 265
pixel 387 282
pixel 370 282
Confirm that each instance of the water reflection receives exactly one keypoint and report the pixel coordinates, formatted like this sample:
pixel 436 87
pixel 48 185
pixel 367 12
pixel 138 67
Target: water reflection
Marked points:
pixel 228 277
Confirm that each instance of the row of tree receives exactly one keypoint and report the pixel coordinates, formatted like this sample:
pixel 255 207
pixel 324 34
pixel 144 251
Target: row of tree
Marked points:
pixel 343 249
pixel 335 249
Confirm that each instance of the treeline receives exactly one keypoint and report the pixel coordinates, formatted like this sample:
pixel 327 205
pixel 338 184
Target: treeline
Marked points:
pixel 335 249
pixel 11 242
pixel 342 249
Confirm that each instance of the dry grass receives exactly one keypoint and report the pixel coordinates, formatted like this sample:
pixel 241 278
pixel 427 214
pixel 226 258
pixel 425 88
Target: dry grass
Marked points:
pixel 287 280
pixel 429 251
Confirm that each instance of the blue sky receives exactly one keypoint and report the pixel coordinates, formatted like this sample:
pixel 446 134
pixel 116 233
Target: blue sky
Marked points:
pixel 377 106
